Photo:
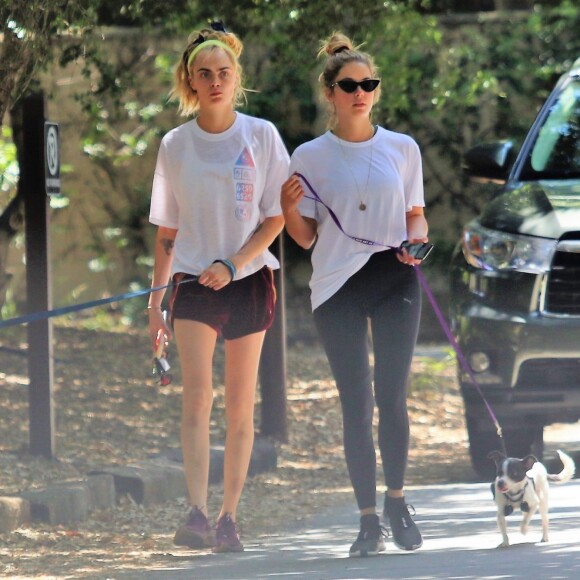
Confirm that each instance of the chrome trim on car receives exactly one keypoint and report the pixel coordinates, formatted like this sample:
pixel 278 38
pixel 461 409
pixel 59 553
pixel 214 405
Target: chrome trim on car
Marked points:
pixel 563 246
pixel 572 246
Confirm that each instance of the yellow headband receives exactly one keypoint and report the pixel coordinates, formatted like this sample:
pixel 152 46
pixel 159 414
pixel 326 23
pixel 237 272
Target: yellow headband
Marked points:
pixel 210 42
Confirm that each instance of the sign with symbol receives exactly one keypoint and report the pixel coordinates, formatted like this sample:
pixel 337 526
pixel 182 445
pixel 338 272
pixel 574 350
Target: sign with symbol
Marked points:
pixel 51 158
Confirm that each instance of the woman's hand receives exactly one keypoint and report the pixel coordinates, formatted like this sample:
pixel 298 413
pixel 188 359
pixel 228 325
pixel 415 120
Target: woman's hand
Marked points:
pixel 216 276
pixel 158 327
pixel 292 193
pixel 417 229
pixel 302 230
pixel 406 258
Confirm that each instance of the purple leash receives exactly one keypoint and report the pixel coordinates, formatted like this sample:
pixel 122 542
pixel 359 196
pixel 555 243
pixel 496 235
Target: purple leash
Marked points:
pixel 447 331
pixel 317 199
pixel 458 351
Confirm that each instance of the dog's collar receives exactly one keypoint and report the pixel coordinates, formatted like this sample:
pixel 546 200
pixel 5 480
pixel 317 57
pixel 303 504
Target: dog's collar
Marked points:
pixel 515 498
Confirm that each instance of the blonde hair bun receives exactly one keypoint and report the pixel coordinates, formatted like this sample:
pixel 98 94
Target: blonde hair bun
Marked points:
pixel 337 42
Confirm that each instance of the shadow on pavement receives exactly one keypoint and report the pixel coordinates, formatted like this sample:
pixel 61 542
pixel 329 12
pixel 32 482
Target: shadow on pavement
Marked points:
pixel 460 542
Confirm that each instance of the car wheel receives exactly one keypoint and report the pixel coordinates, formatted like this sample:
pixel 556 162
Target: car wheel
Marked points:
pixel 518 442
pixel 481 443
pixel 522 442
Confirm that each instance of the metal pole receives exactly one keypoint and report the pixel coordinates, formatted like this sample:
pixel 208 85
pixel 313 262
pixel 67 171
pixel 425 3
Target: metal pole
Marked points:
pixel 38 279
pixel 273 361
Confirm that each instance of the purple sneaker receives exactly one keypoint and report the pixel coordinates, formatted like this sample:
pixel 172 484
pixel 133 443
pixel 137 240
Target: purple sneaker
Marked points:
pixel 226 536
pixel 196 532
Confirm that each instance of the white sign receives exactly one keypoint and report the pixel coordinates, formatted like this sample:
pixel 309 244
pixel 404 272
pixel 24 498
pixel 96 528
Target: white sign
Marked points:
pixel 51 158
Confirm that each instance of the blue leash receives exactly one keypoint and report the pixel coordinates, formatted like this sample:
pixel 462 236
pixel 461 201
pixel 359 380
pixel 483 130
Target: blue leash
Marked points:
pixel 36 316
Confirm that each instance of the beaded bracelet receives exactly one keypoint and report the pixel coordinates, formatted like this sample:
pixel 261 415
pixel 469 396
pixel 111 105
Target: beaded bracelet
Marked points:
pixel 229 265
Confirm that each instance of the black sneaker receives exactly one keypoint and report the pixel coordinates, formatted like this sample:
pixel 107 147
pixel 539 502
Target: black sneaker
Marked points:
pixel 405 533
pixel 370 538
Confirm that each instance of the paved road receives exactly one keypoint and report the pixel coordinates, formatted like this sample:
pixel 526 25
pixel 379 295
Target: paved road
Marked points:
pixel 460 533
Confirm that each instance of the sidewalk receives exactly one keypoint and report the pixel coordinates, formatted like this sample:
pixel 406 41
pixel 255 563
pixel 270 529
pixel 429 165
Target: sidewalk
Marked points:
pixel 460 541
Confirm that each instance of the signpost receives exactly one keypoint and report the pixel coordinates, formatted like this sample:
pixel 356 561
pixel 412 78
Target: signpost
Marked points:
pixel 40 175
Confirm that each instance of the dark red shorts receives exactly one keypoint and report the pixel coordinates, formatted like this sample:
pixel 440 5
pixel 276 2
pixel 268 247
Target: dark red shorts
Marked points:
pixel 242 307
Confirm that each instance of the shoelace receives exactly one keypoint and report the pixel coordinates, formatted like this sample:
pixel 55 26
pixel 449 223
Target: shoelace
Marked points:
pixel 365 533
pixel 405 515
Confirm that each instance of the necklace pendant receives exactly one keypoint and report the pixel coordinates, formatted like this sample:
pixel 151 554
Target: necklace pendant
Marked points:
pixel 362 206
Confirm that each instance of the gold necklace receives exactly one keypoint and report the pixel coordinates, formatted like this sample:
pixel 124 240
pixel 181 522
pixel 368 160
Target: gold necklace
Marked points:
pixel 362 205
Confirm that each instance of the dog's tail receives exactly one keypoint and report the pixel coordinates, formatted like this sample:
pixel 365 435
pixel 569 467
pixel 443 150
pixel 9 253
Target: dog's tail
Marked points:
pixel 567 472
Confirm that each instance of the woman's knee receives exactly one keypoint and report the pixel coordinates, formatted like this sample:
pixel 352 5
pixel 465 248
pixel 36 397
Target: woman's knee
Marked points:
pixel 240 421
pixel 196 406
pixel 358 406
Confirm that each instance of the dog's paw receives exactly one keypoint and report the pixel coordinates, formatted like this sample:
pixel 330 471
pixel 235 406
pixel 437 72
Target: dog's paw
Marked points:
pixel 524 529
pixel 503 545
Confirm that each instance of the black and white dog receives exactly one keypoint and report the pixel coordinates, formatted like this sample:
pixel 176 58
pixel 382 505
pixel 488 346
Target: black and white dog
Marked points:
pixel 523 483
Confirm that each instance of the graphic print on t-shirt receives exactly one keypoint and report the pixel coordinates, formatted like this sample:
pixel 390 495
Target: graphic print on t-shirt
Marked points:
pixel 244 180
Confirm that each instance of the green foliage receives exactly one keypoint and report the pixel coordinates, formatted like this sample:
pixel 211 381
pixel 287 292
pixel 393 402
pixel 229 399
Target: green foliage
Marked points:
pixel 30 31
pixel 122 123
pixel 140 13
pixel 448 86
pixel 432 370
pixel 9 170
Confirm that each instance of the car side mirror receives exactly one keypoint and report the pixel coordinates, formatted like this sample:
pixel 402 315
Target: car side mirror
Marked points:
pixel 489 162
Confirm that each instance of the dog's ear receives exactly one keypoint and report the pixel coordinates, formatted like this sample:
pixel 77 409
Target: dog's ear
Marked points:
pixel 496 456
pixel 529 461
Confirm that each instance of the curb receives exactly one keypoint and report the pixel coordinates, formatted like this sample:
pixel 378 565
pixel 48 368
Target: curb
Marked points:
pixel 147 482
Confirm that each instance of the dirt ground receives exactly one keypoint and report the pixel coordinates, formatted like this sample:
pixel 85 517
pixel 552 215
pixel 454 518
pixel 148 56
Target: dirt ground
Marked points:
pixel 110 411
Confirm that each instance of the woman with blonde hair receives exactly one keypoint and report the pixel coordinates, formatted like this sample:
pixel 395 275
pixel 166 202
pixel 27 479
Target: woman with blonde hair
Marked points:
pixel 215 202
pixel 357 192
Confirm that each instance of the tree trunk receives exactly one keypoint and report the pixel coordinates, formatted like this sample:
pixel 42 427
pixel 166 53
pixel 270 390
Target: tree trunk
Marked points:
pixel 12 218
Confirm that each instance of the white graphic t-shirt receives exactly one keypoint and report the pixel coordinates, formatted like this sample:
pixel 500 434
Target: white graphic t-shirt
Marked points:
pixel 215 189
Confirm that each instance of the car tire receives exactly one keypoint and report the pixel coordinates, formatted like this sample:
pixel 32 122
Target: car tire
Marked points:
pixel 481 443
pixel 518 442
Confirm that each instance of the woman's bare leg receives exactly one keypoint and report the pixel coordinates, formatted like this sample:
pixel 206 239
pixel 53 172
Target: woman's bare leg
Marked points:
pixel 242 363
pixel 196 344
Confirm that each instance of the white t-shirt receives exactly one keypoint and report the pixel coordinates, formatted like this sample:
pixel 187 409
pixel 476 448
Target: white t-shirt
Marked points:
pixel 338 171
pixel 215 189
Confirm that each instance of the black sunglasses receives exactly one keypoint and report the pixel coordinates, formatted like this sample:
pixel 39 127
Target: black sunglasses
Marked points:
pixel 350 86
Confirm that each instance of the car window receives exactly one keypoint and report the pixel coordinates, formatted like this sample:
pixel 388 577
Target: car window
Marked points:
pixel 556 152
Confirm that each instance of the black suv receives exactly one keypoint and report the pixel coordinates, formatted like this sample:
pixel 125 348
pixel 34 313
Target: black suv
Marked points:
pixel 515 284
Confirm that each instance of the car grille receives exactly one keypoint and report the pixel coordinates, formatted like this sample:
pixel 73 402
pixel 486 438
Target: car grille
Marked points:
pixel 549 373
pixel 563 289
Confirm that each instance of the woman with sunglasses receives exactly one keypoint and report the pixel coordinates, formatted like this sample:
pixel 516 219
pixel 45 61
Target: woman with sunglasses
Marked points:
pixel 357 192
pixel 216 203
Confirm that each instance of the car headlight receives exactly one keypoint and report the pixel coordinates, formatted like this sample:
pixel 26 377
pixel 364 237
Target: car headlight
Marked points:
pixel 493 250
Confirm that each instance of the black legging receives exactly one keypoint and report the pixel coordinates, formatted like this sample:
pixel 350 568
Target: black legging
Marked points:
pixel 387 292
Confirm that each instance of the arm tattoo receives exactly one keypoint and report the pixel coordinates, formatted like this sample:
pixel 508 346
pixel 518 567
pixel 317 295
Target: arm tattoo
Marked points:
pixel 167 245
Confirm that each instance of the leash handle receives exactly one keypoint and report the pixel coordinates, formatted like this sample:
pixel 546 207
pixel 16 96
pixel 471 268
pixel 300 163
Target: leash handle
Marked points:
pixel 161 365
